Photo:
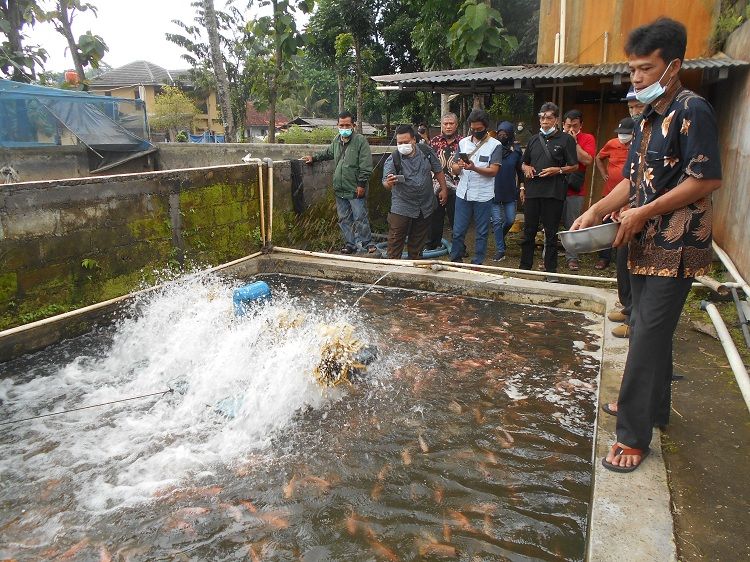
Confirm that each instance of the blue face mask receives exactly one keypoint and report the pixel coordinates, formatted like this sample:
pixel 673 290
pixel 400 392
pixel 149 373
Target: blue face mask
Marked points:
pixel 651 93
pixel 548 131
pixel 345 132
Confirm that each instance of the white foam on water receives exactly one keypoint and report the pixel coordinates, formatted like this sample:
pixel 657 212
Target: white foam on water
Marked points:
pixel 184 337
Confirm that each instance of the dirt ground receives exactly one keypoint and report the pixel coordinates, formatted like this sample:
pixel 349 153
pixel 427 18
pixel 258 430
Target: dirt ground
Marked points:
pixel 706 444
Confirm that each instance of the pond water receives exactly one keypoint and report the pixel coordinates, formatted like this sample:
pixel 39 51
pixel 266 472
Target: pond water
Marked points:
pixel 469 437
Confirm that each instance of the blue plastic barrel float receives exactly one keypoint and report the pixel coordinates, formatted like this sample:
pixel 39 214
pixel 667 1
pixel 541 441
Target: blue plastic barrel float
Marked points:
pixel 427 254
pixel 248 294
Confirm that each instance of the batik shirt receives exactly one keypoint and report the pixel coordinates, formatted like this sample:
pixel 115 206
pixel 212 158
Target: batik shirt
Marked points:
pixel 676 139
pixel 445 150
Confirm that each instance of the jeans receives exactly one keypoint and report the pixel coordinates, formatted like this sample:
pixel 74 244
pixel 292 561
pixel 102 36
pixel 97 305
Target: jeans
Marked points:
pixel 353 222
pixel 549 211
pixel 437 219
pixel 503 217
pixel 481 211
pixel 573 206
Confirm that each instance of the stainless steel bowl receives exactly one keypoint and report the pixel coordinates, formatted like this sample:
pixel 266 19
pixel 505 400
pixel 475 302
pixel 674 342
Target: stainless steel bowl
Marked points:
pixel 590 239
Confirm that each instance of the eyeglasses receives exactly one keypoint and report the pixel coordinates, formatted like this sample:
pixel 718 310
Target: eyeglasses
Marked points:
pixel 547 116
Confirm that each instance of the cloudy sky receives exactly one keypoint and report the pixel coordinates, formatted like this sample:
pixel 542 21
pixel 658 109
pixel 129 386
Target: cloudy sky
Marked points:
pixel 133 30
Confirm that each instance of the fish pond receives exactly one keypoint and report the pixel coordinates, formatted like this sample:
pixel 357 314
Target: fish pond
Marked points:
pixel 468 437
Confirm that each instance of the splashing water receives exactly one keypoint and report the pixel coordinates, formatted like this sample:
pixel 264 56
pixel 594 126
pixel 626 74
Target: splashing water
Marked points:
pixel 185 337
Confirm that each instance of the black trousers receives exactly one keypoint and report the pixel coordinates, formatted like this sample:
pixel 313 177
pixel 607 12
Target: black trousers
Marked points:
pixel 437 219
pixel 401 227
pixel 623 280
pixel 549 211
pixel 646 390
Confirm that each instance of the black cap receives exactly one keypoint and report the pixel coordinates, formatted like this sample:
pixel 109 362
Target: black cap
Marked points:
pixel 625 126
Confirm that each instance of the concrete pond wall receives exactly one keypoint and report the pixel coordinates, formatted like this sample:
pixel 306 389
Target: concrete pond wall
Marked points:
pixel 67 243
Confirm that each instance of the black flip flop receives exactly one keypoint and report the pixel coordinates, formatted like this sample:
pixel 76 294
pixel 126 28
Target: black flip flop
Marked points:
pixel 608 410
pixel 620 451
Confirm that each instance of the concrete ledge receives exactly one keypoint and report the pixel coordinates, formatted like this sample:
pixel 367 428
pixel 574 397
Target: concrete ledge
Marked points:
pixel 629 514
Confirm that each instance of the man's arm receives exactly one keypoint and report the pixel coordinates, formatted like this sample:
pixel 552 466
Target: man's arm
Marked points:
pixel 601 166
pixel 686 193
pixel 325 154
pixel 615 201
pixel 364 166
pixel 585 149
pixel 493 166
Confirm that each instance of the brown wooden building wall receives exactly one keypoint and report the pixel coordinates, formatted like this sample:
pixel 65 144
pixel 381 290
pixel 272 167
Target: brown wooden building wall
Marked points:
pixel 588 20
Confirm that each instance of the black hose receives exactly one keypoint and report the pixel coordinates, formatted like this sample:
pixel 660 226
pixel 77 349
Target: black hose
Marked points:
pixel 87 407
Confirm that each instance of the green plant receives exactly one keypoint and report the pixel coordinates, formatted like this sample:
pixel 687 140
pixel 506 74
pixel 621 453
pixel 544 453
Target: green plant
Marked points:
pixel 90 264
pixel 731 16
pixel 182 136
pixel 297 135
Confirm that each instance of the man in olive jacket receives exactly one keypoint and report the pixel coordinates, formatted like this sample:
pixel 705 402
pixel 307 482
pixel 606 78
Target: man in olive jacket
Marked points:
pixel 351 153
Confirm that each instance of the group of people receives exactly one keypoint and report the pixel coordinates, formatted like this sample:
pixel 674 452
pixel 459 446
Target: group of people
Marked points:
pixel 659 174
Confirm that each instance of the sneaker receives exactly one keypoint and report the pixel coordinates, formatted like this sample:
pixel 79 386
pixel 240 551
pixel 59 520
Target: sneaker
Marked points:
pixel 573 265
pixel 552 280
pixel 617 316
pixel 500 256
pixel 621 331
pixel 348 250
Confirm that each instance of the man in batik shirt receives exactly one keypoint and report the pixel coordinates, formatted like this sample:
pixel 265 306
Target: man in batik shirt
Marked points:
pixel 445 146
pixel 673 167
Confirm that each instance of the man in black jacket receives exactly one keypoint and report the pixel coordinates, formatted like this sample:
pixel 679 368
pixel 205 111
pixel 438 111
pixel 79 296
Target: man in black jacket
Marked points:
pixel 549 156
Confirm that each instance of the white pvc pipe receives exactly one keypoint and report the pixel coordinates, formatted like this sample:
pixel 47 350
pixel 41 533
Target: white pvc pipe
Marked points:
pixel 270 198
pixel 727 261
pixel 735 361
pixel 261 185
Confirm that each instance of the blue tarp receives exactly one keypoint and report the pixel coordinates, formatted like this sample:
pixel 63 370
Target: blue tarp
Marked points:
pixel 206 137
pixel 33 115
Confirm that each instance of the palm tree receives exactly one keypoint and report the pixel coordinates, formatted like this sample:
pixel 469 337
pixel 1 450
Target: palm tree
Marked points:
pixel 217 61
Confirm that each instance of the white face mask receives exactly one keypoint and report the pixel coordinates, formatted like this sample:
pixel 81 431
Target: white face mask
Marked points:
pixel 405 149
pixel 520 127
pixel 651 93
pixel 625 138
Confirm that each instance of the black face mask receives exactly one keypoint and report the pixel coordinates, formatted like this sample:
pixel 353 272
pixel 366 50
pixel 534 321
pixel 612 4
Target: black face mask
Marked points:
pixel 505 141
pixel 479 134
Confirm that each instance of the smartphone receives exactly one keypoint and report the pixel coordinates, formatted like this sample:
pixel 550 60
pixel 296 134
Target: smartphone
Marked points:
pixel 463 156
pixel 399 178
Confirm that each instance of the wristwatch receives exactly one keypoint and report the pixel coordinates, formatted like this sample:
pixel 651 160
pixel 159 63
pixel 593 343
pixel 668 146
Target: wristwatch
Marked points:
pixel 561 170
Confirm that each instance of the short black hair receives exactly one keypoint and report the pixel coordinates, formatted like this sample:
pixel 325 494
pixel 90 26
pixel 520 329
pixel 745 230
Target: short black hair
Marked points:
pixel 401 129
pixel 665 35
pixel 344 114
pixel 549 106
pixel 479 115
pixel 573 114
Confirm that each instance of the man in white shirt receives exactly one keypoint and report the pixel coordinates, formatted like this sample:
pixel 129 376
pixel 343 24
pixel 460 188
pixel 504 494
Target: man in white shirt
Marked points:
pixel 478 163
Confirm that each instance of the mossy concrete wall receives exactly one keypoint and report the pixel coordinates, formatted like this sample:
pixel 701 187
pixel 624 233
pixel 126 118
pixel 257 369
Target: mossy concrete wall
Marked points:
pixel 68 243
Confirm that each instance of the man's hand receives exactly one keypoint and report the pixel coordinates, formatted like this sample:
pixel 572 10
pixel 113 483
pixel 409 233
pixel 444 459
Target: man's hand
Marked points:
pixel 390 181
pixel 307 159
pixel 632 222
pixel 528 171
pixel 587 219
pixel 443 196
pixel 360 192
pixel 554 171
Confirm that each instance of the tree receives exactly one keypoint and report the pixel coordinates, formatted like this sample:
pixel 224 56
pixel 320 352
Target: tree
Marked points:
pixel 478 36
pixel 217 62
pixel 173 110
pixel 284 40
pixel 90 48
pixel 19 61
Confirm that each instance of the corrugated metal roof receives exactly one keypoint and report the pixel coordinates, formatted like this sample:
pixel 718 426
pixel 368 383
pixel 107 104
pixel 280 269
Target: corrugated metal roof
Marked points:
pixel 138 72
pixel 500 74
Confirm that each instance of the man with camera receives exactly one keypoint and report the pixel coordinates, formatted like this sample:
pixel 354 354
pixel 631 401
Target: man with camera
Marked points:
pixel 408 175
pixel 549 156
pixel 585 151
